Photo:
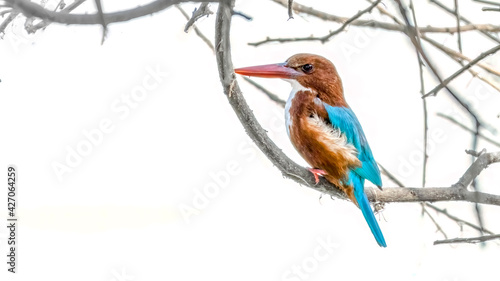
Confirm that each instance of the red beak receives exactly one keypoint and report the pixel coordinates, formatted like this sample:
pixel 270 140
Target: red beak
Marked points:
pixel 279 70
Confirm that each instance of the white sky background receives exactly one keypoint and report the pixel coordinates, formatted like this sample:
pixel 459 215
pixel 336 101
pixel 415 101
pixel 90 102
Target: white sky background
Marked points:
pixel 116 215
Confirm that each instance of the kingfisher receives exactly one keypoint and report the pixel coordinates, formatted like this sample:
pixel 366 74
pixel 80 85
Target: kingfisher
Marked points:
pixel 324 129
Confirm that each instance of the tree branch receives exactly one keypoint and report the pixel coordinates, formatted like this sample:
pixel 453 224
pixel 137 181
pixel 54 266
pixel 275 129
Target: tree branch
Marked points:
pixel 449 118
pixel 290 12
pixel 481 163
pixel 472 240
pixel 30 9
pixel 270 95
pixel 461 70
pixel 196 30
pixel 201 11
pixel 485 32
pixel 349 21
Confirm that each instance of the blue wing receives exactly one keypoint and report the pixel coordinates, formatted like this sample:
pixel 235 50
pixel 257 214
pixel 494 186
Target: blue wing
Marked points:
pixel 344 119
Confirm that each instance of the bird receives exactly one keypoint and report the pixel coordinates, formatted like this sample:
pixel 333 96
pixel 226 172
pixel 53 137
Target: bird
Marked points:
pixel 324 129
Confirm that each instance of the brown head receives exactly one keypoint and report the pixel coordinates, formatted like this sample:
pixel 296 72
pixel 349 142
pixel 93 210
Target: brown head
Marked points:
pixel 310 71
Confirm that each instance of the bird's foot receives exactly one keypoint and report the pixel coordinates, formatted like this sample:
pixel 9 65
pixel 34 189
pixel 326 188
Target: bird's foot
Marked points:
pixel 316 173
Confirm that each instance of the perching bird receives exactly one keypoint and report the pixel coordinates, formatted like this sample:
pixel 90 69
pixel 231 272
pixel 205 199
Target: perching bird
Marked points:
pixel 324 129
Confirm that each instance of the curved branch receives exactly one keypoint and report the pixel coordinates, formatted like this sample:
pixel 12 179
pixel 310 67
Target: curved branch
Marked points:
pixel 481 163
pixel 30 9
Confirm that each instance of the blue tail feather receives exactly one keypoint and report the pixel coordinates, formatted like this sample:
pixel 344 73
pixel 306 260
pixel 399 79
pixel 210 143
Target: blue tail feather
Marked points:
pixel 366 209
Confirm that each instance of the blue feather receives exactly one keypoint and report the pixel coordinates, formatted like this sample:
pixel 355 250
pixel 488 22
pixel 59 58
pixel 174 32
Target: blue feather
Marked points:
pixel 364 205
pixel 344 119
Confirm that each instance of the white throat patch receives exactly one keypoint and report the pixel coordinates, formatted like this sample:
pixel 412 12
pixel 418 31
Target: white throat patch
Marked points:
pixel 296 87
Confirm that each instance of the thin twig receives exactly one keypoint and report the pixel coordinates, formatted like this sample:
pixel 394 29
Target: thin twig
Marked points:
pixel 424 102
pixel 198 13
pixel 454 121
pixel 461 70
pixel 486 9
pixel 459 35
pixel 438 227
pixel 472 240
pixel 100 13
pixel 390 176
pixel 454 54
pixel 487 2
pixel 458 57
pixel 268 93
pixel 8 20
pixel 196 30
pixel 349 21
pixel 485 32
pixel 290 11
pixel 457 219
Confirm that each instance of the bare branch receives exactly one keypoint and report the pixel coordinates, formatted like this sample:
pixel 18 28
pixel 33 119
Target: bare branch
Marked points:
pixel 472 240
pixel 350 20
pixel 390 176
pixel 438 227
pixel 290 12
pixel 449 118
pixel 100 13
pixel 364 23
pixel 457 219
pixel 196 30
pixel 30 9
pixel 270 95
pixel 486 9
pixel 8 20
pixel 45 23
pixel 487 2
pixel 485 32
pixel 459 34
pixel 202 11
pixel 481 163
pixel 424 106
pixel 461 70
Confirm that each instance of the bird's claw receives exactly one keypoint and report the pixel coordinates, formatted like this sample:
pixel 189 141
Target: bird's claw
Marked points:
pixel 316 173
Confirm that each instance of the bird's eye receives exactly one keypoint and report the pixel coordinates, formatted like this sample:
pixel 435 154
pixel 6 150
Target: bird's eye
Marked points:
pixel 307 68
